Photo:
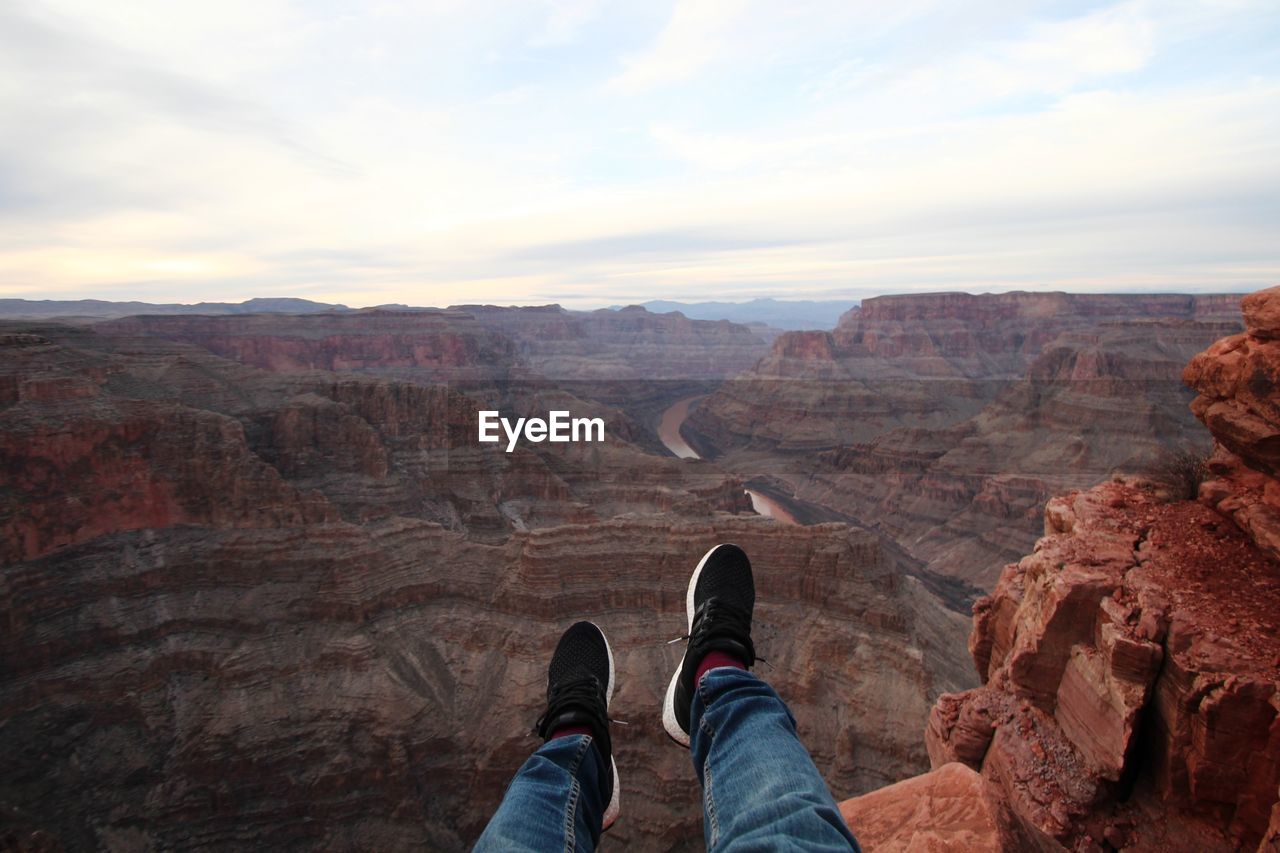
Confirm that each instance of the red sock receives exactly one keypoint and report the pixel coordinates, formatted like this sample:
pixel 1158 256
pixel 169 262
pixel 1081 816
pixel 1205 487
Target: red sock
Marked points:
pixel 565 731
pixel 714 659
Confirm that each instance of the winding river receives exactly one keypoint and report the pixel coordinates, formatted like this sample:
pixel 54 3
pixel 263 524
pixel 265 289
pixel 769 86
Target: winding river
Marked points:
pixel 669 432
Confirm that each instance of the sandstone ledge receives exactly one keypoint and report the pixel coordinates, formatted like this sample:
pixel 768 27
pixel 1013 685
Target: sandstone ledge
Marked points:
pixel 950 808
pixel 1131 664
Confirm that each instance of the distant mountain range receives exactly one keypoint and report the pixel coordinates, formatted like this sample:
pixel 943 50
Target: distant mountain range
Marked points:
pixel 104 308
pixel 779 313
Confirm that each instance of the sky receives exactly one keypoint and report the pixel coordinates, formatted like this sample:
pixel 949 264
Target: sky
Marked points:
pixel 595 153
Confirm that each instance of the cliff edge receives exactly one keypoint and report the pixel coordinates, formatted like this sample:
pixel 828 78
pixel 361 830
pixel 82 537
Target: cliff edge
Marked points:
pixel 1130 663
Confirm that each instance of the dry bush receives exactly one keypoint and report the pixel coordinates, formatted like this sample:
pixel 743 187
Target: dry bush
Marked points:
pixel 1182 472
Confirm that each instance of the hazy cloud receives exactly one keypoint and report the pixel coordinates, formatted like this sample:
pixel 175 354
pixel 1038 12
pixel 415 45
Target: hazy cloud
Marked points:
pixel 613 152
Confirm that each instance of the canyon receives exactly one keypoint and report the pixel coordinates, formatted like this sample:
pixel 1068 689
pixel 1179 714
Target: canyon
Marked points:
pixel 265 588
pixel 946 421
pixel 1131 662
pixel 253 602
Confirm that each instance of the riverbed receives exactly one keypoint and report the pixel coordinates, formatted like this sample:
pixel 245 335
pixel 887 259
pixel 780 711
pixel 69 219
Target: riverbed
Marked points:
pixel 669 431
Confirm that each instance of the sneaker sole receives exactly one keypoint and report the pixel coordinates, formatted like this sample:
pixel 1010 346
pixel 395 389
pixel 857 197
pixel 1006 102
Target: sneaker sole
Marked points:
pixel 615 804
pixel 669 721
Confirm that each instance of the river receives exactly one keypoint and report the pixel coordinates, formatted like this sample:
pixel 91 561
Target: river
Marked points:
pixel 669 428
pixel 669 432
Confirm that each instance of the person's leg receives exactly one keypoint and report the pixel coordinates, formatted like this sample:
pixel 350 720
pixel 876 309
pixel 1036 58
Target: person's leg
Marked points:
pixel 759 784
pixel 566 794
pixel 760 788
pixel 555 801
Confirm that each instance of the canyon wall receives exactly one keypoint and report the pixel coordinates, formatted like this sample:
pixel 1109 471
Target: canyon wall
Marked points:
pixel 374 685
pixel 290 608
pixel 295 606
pixel 1131 662
pixel 945 421
pixel 473 342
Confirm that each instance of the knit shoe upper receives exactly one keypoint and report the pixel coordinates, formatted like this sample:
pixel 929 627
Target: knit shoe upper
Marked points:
pixel 579 688
pixel 719 604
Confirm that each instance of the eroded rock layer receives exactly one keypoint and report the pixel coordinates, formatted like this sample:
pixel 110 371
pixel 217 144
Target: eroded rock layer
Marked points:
pixel 1238 378
pixel 1131 663
pixel 472 342
pixel 951 808
pixel 1131 666
pixel 374 685
pixel 946 420
pixel 300 608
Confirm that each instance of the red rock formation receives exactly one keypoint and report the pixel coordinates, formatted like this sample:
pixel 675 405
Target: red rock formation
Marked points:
pixel 1132 662
pixel 950 808
pixel 806 346
pixel 1130 667
pixel 82 464
pixel 1238 379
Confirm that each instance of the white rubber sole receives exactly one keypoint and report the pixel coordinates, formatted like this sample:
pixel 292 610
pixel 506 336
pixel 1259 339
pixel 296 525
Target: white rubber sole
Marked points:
pixel 669 722
pixel 615 802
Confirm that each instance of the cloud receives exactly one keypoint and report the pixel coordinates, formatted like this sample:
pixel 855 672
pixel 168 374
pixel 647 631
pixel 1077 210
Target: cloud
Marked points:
pixel 1049 59
pixel 696 33
pixel 459 151
pixel 564 21
pixel 648 244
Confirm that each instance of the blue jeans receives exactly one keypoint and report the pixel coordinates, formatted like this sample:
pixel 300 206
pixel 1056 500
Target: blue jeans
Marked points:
pixel 760 789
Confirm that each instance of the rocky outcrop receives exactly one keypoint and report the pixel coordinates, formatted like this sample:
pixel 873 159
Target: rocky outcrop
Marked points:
pixel 1130 667
pixel 1238 379
pixel 1131 663
pixel 950 808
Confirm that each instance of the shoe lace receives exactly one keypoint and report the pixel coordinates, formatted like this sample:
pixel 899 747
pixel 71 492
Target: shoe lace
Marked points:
pixel 583 692
pixel 718 618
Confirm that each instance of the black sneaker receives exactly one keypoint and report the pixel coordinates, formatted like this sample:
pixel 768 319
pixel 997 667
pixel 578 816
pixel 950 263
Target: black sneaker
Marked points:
pixel 579 687
pixel 721 598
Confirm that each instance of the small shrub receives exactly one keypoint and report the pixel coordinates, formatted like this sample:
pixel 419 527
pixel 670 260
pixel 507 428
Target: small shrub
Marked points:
pixel 1182 472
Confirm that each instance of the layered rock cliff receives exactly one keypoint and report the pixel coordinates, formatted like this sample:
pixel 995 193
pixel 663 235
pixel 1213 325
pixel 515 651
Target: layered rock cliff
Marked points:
pixel 294 608
pixel 967 499
pixel 439 344
pixel 473 342
pixel 945 421
pixel 1237 379
pixel 1131 662
pixel 915 361
pixel 373 686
